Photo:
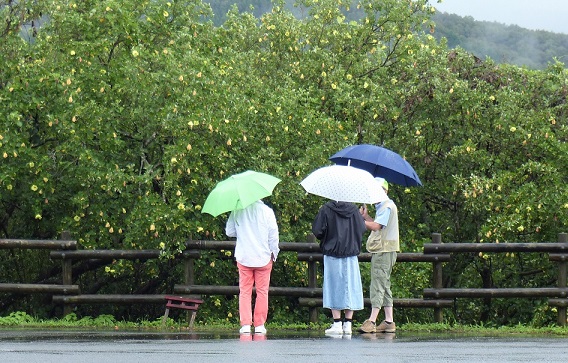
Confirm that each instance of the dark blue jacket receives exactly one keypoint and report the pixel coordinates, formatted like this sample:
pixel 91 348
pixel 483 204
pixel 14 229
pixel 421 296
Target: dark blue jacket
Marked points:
pixel 340 227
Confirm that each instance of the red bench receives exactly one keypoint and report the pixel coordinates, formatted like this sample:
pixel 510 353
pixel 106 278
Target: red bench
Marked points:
pixel 180 302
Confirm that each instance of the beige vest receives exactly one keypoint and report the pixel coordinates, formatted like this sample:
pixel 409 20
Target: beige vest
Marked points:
pixel 385 239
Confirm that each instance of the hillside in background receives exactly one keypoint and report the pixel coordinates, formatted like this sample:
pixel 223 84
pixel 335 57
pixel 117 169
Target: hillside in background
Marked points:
pixel 502 43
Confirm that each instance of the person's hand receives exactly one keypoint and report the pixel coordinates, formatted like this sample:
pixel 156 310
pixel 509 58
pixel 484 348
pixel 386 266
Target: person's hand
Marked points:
pixel 363 209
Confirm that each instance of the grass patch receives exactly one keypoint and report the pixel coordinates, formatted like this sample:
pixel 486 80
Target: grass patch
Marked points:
pixel 480 330
pixel 106 322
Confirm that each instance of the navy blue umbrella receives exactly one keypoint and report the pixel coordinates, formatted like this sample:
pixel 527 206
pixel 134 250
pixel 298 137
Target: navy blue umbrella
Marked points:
pixel 379 161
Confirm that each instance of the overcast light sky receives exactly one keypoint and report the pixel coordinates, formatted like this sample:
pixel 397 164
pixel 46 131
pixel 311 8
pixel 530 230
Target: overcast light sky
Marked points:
pixel 549 15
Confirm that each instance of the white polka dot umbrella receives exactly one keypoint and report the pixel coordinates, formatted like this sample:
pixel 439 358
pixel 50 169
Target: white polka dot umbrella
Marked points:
pixel 344 183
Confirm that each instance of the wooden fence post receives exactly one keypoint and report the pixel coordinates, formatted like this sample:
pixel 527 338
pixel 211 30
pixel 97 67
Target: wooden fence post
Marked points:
pixel 67 272
pixel 437 278
pixel 312 281
pixel 189 278
pixel 562 238
pixel 188 270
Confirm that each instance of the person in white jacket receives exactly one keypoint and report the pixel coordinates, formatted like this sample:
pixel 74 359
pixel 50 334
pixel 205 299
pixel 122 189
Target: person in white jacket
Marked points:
pixel 256 249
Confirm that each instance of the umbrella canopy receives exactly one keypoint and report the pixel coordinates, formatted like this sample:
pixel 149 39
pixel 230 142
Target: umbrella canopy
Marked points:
pixel 344 183
pixel 379 161
pixel 238 192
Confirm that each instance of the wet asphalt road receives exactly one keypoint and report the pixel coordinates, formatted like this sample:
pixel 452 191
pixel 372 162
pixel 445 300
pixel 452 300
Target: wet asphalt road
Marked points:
pixel 63 346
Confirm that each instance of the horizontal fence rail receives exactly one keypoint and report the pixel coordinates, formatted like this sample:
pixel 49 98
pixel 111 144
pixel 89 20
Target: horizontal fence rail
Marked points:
pixel 366 257
pixel 234 290
pixel 111 255
pixel 38 244
pixel 106 254
pixel 230 245
pixel 39 288
pixel 119 299
pixel 495 247
pixel 497 292
pixel 399 303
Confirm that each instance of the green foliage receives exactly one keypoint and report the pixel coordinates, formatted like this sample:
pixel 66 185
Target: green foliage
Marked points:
pixel 481 330
pixel 118 118
pixel 16 318
pixel 23 320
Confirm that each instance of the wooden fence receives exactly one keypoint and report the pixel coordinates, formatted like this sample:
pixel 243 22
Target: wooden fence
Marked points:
pixel 436 253
pixel 65 244
pixel 558 252
pixel 311 295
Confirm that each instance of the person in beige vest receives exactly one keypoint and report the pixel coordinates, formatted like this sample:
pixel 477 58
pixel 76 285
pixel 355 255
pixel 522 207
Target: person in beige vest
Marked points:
pixel 383 243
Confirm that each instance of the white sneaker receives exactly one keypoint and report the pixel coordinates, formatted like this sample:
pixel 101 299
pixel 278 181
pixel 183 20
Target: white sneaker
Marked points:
pixel 347 327
pixel 335 328
pixel 245 329
pixel 260 329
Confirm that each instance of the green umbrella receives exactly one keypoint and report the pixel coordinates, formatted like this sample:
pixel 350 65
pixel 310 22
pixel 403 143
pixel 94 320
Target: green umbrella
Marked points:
pixel 238 192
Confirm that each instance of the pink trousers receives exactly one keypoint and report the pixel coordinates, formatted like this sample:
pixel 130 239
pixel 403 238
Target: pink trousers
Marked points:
pixel 260 278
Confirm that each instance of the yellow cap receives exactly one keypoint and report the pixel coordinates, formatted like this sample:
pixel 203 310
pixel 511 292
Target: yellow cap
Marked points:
pixel 383 183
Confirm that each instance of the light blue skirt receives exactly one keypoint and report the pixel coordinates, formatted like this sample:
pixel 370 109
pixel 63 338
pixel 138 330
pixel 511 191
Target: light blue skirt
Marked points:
pixel 342 288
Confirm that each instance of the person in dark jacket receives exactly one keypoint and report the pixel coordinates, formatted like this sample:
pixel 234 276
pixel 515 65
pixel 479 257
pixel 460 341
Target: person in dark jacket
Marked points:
pixel 340 227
